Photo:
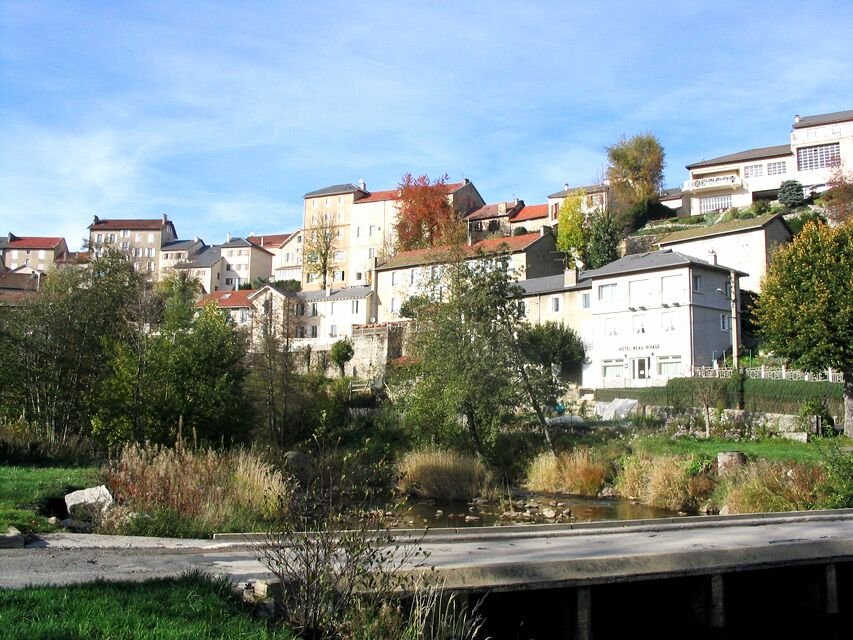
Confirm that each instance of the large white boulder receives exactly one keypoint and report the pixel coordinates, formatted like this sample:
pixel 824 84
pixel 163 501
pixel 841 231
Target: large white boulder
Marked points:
pixel 84 504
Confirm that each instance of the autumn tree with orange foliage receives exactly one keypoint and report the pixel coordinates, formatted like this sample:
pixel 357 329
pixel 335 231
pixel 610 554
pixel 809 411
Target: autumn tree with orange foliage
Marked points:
pixel 425 217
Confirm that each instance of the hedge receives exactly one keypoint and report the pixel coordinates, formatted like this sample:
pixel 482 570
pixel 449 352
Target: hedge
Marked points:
pixel 767 396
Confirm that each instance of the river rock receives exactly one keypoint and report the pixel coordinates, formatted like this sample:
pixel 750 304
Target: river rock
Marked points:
pixel 550 514
pixel 607 492
pixel 472 519
pixel 87 503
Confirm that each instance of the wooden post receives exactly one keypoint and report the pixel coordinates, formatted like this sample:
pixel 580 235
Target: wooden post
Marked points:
pixel 718 605
pixel 583 621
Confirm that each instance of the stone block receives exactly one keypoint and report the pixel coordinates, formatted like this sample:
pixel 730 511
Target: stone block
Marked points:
pixel 12 539
pixel 86 503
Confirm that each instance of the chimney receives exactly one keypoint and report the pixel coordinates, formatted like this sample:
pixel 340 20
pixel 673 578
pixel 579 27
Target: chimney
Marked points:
pixel 227 237
pixel 501 208
pixel 565 186
pixel 196 240
pixel 713 255
pixel 96 220
pixel 466 181
pixel 362 185
pixel 165 218
pixel 570 277
pixel 797 118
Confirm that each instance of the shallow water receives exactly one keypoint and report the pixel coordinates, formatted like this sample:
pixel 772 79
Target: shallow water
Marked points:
pixel 437 513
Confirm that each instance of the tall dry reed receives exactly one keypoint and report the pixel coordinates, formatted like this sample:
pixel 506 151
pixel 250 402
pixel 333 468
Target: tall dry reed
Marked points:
pixel 771 486
pixel 209 488
pixel 441 474
pixel 579 472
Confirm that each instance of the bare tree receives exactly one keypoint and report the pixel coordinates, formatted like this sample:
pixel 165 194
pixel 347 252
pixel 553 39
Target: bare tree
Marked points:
pixel 320 244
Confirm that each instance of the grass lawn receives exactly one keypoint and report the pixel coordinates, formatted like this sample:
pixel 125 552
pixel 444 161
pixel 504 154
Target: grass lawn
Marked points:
pixel 776 449
pixel 24 489
pixel 189 607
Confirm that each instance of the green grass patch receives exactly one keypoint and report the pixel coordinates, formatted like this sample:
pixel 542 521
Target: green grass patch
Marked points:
pixel 773 449
pixel 25 490
pixel 190 607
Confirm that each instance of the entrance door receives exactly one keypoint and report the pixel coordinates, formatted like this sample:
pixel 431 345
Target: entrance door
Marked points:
pixel 640 368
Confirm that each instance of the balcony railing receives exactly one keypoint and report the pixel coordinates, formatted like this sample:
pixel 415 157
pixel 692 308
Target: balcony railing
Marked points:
pixel 730 181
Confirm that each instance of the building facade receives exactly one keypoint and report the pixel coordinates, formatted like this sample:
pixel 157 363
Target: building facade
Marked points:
pixel 140 240
pixel 818 144
pixel 31 253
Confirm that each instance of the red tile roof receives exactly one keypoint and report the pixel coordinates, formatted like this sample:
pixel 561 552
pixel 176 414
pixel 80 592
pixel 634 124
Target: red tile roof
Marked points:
pixel 270 240
pixel 379 196
pixel 34 242
pixel 531 212
pixel 511 244
pixel 228 299
pixel 142 225
pixel 393 194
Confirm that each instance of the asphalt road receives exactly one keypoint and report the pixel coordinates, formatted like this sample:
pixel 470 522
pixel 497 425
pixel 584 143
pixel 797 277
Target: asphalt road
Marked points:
pixel 483 559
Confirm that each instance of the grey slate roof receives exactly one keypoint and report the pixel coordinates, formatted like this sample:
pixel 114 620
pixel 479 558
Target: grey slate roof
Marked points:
pixel 177 245
pixel 546 284
pixel 237 242
pixel 333 190
pixel 202 260
pixel 651 260
pixel 749 154
pixel 669 194
pixel 824 118
pixel 592 188
pixel 347 293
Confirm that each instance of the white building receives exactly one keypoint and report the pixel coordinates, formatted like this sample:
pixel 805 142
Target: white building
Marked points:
pixel 744 244
pixel 817 145
pixel 655 315
pixel 287 258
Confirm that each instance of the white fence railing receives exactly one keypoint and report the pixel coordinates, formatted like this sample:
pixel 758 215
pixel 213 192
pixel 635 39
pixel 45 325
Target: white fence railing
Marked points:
pixel 771 373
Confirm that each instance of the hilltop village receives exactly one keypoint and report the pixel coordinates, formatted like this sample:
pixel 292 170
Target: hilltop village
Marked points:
pixel 672 302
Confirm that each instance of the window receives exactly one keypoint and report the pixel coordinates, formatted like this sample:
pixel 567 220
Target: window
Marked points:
pixel 111 237
pixel 610 327
pixel 395 305
pixel 395 279
pixel 229 281
pixel 585 301
pixel 358 232
pixel 338 276
pixel 606 291
pixel 137 237
pixel 300 309
pixel 41 254
pixel 669 288
pixel 125 246
pixel 99 238
pixel 244 316
pixel 697 284
pixel 638 293
pixel 314 331
pixel 555 303
pixel 299 238
pixel 359 276
pixel 371 253
pixel 371 231
pixel 819 157
pixel 125 233
pixel 150 237
pixel 310 277
pixel 724 322
pixel 314 310
pixel 333 331
pixel 715 203
pixel 777 168
pixel 611 368
pixel 669 366
pixel 338 256
pixel 667 321
pixel 355 306
pixel 150 266
pixel 300 332
pixel 639 324
pixel 753 171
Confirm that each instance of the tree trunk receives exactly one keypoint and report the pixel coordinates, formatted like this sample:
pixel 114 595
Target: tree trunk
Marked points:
pixel 848 402
pixel 471 423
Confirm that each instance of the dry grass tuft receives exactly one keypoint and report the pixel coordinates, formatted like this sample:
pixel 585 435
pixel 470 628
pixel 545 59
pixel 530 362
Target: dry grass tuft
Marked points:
pixel 580 472
pixel 669 485
pixel 209 488
pixel 772 486
pixel 441 474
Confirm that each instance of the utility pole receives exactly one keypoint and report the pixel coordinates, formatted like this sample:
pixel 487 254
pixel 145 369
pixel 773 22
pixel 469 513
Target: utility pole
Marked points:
pixel 735 319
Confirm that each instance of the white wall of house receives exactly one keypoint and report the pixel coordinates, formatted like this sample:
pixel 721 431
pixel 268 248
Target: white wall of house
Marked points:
pixel 323 321
pixel 748 250
pixel 650 326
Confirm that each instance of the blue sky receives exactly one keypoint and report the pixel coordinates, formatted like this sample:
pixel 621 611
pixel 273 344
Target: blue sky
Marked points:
pixel 223 114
